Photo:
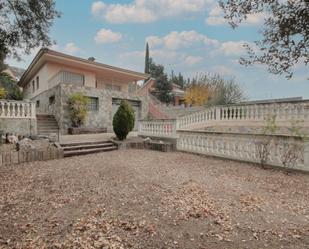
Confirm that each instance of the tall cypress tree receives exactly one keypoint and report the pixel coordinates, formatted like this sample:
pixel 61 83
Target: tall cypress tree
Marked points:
pixel 147 59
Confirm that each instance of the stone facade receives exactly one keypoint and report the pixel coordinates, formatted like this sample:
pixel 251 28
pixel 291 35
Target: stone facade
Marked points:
pixel 55 102
pixel 18 126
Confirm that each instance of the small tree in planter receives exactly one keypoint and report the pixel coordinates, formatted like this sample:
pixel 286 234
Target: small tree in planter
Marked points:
pixel 123 121
pixel 78 104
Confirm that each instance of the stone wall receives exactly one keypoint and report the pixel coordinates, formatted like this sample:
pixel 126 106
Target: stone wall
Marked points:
pixel 279 150
pixel 102 118
pixel 17 157
pixel 18 126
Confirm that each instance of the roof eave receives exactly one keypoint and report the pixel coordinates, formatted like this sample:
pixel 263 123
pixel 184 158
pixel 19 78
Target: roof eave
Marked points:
pixel 97 64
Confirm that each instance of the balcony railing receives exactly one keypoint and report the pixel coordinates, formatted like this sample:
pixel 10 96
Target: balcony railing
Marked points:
pixel 66 77
pixel 17 109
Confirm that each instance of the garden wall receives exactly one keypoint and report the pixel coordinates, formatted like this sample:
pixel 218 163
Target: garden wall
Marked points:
pixel 18 126
pixel 16 157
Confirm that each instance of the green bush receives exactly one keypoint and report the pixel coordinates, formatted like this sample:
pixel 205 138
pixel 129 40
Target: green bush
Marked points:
pixel 78 105
pixel 2 93
pixel 9 88
pixel 123 121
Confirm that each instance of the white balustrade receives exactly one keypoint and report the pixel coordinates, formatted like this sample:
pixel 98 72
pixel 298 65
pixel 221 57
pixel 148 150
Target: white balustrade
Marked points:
pixel 244 147
pixel 246 114
pixel 158 128
pixel 17 109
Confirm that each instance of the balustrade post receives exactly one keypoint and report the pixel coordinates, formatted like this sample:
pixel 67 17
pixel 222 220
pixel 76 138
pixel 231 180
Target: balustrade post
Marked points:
pixel 217 113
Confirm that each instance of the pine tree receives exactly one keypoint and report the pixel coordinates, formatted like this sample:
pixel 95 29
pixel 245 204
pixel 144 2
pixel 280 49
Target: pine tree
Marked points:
pixel 147 59
pixel 163 86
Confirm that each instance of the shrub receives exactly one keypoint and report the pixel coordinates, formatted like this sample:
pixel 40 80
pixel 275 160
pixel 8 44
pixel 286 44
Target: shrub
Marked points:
pixel 9 85
pixel 2 93
pixel 123 121
pixel 78 104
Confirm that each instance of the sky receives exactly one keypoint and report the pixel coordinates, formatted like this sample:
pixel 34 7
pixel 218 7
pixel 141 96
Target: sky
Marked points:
pixel 187 36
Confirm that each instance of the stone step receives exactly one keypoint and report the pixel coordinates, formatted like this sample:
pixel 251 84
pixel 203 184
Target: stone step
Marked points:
pixel 48 126
pixel 47 133
pixel 85 143
pixel 87 146
pixel 46 119
pixel 88 151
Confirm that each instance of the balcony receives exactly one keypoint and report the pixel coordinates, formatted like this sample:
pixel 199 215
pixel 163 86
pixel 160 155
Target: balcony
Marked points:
pixel 67 78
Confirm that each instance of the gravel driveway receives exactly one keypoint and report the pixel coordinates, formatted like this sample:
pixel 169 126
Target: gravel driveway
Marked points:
pixel 148 199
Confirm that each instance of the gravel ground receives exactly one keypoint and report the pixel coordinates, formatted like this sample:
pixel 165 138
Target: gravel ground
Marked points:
pixel 148 199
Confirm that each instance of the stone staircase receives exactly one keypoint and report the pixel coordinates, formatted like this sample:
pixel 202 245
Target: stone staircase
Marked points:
pixel 46 125
pixel 84 148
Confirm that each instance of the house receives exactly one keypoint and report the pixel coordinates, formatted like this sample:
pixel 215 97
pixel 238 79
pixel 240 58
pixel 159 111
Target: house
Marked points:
pixel 179 95
pixel 53 76
pixel 14 72
pixel 177 92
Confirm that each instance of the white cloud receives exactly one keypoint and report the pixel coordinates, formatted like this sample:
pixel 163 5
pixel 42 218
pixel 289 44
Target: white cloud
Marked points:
pixel 176 40
pixel 71 48
pixel 193 60
pixel 107 36
pixel 255 19
pixel 223 70
pixel 216 17
pixel 231 48
pixel 97 8
pixel 215 20
pixel 144 11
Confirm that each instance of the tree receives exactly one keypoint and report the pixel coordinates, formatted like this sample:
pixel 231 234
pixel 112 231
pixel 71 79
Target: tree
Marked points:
pixel 10 87
pixel 197 95
pixel 24 25
pixel 147 59
pixel 178 80
pixel 163 86
pixel 285 39
pixel 211 90
pixel 123 121
pixel 225 92
pixel 78 108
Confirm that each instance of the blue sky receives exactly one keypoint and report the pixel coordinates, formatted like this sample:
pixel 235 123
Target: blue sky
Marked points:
pixel 188 36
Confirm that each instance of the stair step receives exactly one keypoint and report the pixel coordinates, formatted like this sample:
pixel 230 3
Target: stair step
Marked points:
pixel 84 143
pixel 88 146
pixel 47 121
pixel 47 127
pixel 88 151
pixel 47 124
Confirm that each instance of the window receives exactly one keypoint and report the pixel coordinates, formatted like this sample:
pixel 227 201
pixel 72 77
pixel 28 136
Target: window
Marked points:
pixel 33 86
pixel 52 99
pixel 37 103
pixel 93 104
pixel 37 82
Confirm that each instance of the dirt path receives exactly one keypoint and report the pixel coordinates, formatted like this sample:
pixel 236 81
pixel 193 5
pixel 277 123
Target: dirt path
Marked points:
pixel 146 199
